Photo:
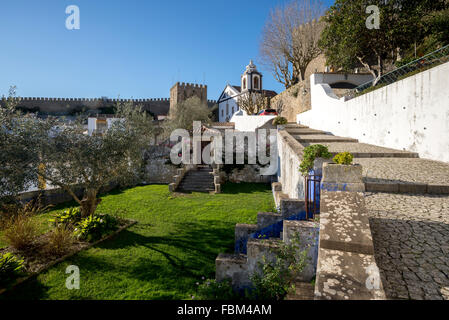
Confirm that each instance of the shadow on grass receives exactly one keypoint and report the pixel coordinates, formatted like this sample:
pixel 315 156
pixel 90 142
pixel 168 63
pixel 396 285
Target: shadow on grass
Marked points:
pixel 172 262
pixel 237 188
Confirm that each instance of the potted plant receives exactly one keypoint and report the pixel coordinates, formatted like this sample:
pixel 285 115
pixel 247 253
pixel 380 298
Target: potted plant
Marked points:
pixel 342 174
pixel 280 122
pixel 313 158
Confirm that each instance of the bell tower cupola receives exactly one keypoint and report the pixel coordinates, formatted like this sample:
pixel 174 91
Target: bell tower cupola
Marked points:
pixel 251 79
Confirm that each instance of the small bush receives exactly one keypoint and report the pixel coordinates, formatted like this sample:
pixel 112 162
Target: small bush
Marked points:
pixel 310 154
pixel 10 266
pixel 21 232
pixel 344 158
pixel 94 227
pixel 277 278
pixel 13 208
pixel 59 241
pixel 279 121
pixel 213 290
pixel 68 218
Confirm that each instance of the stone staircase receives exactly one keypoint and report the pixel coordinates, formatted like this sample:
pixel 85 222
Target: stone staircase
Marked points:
pixel 199 180
pixel 384 169
pixel 252 242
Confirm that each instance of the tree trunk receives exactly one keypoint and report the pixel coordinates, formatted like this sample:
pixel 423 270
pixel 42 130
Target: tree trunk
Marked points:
pixel 380 72
pixel 89 203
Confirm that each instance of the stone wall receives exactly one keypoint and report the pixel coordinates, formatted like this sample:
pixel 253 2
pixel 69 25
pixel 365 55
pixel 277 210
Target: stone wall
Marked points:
pixel 409 115
pixel 290 156
pixel 67 106
pixel 181 91
pixel 294 100
pixel 297 98
pixel 249 173
pixel 346 268
pixel 158 168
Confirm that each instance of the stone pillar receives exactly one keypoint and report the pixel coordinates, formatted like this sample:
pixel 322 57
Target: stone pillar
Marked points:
pixel 337 177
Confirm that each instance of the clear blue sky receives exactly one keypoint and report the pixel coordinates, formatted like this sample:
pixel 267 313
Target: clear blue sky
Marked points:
pixel 132 48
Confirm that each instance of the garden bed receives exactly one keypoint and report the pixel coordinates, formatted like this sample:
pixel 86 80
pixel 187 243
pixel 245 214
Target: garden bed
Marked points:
pixel 37 261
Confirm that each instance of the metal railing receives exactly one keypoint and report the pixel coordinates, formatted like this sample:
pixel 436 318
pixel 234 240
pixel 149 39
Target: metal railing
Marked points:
pixel 312 195
pixel 434 58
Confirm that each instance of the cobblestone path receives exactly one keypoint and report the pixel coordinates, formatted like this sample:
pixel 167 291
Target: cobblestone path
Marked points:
pixel 411 243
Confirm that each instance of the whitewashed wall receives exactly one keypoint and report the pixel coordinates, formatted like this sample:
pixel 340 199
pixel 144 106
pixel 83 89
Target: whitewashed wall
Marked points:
pixel 412 114
pixel 249 123
pixel 288 171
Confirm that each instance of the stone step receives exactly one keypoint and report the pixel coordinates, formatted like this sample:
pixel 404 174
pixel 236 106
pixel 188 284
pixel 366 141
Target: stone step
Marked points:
pixel 305 131
pixel 294 125
pixel 198 178
pixel 303 291
pixel 194 188
pixel 364 150
pixel 321 138
pixel 199 184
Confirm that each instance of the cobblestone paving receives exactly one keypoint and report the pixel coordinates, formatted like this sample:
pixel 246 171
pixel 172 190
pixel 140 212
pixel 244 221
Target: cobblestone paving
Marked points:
pixel 411 243
pixel 404 170
pixel 363 148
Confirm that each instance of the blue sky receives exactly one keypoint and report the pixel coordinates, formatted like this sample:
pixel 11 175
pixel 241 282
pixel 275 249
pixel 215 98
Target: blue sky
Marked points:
pixel 133 48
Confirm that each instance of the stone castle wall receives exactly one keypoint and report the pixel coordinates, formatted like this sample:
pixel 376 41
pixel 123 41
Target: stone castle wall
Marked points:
pixel 64 106
pixel 181 91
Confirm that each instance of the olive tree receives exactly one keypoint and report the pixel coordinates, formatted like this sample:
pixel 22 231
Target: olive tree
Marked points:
pixel 18 159
pixel 72 159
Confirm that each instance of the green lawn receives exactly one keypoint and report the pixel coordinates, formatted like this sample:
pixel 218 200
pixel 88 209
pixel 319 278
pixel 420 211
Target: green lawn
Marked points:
pixel 172 247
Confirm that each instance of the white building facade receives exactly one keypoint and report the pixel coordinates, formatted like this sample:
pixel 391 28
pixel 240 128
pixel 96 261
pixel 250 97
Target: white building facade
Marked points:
pixel 250 82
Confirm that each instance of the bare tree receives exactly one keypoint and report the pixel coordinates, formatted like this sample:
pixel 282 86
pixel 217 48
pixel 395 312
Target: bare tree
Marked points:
pixel 252 102
pixel 278 105
pixel 290 39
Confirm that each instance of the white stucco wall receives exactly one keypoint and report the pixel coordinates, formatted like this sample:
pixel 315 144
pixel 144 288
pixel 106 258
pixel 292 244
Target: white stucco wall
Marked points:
pixel 288 169
pixel 331 78
pixel 411 114
pixel 249 123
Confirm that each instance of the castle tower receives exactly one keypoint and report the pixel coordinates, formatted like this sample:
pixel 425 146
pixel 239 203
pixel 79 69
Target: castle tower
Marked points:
pixel 251 79
pixel 180 92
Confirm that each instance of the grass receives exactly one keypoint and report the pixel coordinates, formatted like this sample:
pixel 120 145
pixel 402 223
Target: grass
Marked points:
pixel 172 247
pixel 42 222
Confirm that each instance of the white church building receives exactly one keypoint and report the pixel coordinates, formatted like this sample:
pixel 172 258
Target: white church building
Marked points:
pixel 251 82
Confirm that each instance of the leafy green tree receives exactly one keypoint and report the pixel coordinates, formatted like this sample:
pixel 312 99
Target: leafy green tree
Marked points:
pixel 71 158
pixel 185 113
pixel 18 161
pixel 348 42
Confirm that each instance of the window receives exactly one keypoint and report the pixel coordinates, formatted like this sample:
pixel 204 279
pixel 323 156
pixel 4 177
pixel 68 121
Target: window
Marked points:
pixel 256 83
pixel 244 83
pixel 227 108
pixel 232 110
pixel 222 113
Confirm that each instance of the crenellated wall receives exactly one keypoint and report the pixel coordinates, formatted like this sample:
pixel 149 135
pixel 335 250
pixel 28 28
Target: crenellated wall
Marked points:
pixel 64 106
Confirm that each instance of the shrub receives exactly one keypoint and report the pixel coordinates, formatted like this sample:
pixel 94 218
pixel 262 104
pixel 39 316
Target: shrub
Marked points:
pixel 12 209
pixel 59 241
pixel 277 278
pixel 279 121
pixel 94 227
pixel 21 232
pixel 214 290
pixel 10 266
pixel 67 218
pixel 344 158
pixel 310 154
